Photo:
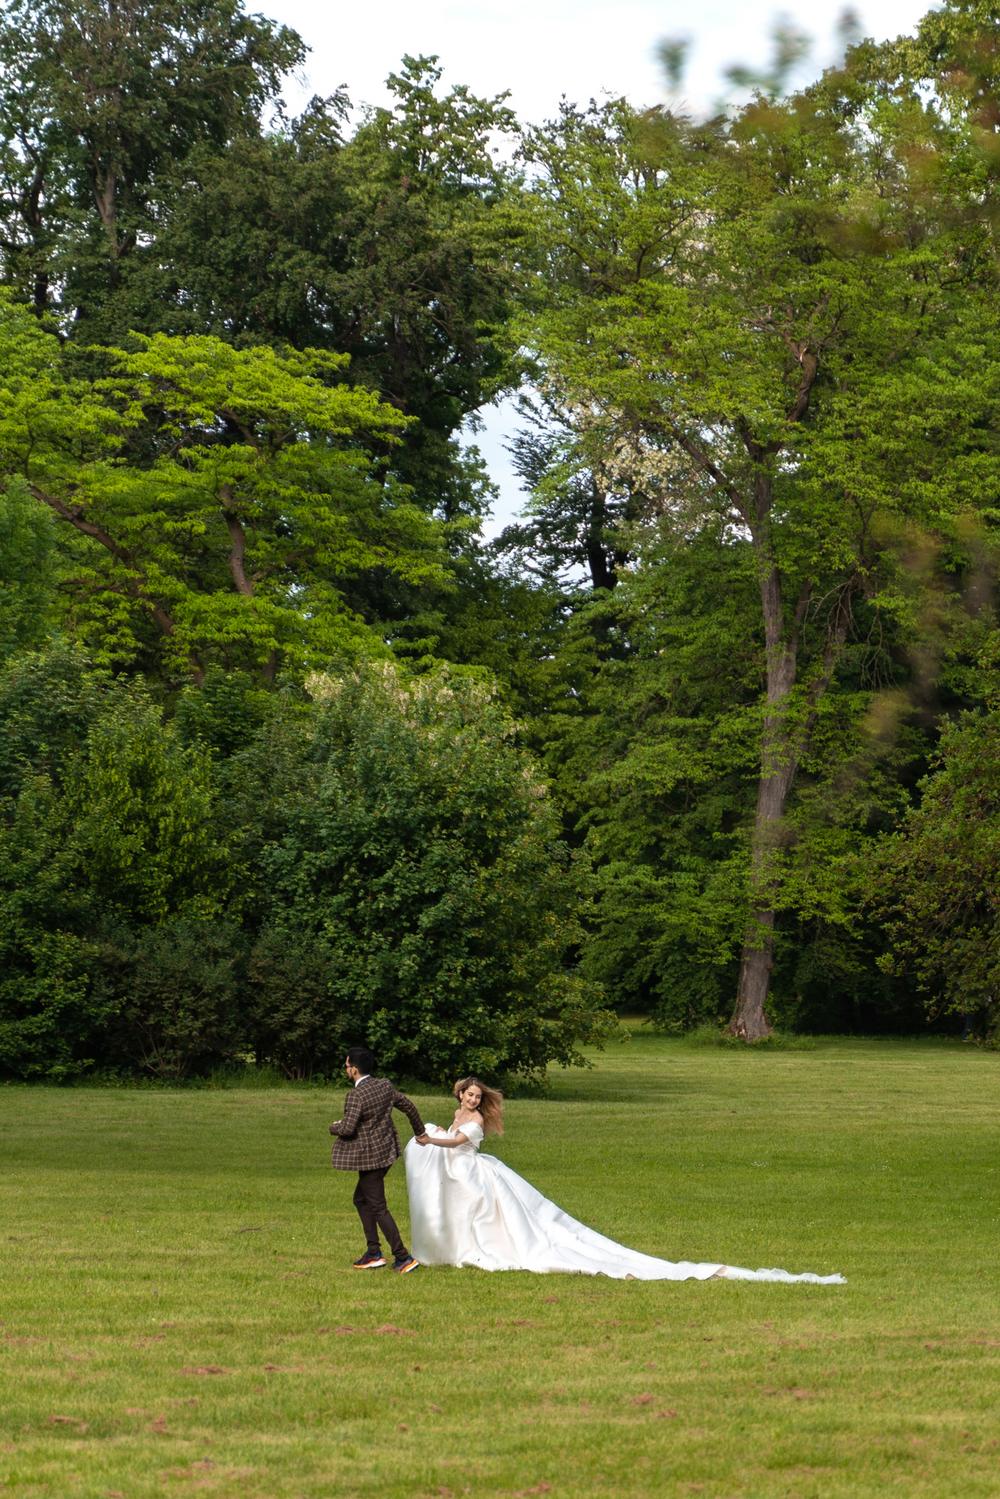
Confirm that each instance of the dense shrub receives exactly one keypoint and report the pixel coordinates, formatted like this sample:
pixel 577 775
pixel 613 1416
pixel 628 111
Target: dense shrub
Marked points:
pixel 108 851
pixel 378 862
pixel 410 885
pixel 936 883
pixel 173 996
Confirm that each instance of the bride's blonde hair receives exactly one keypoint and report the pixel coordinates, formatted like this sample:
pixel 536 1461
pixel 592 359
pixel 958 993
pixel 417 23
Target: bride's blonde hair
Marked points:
pixel 490 1104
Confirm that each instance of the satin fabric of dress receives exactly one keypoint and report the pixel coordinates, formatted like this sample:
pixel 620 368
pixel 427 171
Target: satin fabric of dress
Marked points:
pixel 471 1209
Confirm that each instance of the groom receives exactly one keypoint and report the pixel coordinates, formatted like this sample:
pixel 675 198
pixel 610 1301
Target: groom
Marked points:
pixel 368 1144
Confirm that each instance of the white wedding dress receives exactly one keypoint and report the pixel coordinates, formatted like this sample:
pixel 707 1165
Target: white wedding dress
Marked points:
pixel 471 1209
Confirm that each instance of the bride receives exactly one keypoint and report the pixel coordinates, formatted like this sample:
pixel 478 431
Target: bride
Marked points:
pixel 471 1209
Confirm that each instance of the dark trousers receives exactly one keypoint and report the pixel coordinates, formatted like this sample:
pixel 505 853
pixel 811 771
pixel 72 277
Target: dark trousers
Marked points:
pixel 369 1199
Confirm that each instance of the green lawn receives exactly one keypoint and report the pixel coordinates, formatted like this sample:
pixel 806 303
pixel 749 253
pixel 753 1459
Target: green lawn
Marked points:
pixel 178 1313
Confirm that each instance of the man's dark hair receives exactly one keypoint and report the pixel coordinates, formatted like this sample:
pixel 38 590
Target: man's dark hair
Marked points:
pixel 361 1058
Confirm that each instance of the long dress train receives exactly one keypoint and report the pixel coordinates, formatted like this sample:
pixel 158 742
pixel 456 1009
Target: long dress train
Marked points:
pixel 472 1209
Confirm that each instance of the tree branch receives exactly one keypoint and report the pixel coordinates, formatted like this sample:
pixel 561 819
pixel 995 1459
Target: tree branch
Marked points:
pixel 238 543
pixel 696 452
pixel 810 368
pixel 133 581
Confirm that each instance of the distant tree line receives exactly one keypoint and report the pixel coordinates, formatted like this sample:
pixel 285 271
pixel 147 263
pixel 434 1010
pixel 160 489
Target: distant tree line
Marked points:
pixel 290 754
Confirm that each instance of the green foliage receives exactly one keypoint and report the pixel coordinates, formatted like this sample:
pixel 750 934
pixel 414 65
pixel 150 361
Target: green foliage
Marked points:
pixel 384 244
pixel 102 105
pixel 758 358
pixel 657 766
pixel 48 701
pixel 280 880
pixel 27 571
pixel 110 867
pixel 935 885
pixel 409 885
pixel 223 712
pixel 753 337
pixel 225 510
pixel 654 757
pixel 173 992
pixel 140 806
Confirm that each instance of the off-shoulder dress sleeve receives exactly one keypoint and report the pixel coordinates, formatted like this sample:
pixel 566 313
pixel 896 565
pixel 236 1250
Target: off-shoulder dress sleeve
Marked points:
pixel 473 1133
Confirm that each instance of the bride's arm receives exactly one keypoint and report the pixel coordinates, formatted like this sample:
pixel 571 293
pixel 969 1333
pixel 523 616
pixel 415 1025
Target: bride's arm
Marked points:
pixel 447 1140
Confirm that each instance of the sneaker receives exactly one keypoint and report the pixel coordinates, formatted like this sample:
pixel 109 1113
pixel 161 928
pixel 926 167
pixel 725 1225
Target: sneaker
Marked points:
pixel 405 1265
pixel 370 1260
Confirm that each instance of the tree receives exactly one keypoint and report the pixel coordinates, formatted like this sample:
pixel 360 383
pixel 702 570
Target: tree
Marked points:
pixel 425 287
pixel 378 859
pixel 102 101
pixel 388 243
pixel 615 192
pixel 935 884
pixel 229 510
pixel 789 310
pixel 113 877
pixel 585 482
pixel 654 757
pixel 407 883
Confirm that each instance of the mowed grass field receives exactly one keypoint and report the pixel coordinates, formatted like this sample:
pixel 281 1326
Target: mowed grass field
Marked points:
pixel 179 1315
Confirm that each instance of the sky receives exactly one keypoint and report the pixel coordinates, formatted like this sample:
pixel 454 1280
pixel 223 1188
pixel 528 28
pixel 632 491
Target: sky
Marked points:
pixel 540 50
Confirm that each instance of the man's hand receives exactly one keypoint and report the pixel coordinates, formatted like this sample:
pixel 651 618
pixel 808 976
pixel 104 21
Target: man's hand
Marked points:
pixel 335 1127
pixel 422 1139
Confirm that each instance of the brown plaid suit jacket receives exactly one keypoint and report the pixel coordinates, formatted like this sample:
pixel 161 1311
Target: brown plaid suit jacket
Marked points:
pixel 366 1136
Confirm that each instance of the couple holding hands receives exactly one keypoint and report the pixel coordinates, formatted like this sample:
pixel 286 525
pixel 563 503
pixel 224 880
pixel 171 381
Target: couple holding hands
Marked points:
pixel 471 1209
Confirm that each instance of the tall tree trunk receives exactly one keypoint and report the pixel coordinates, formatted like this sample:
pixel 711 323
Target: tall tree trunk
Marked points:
pixel 779 761
pixel 31 209
pixel 749 1019
pixel 782 742
pixel 599 560
pixel 40 293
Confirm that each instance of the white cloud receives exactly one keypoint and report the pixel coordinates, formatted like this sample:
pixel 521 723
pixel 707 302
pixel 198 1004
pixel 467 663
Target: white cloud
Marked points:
pixel 541 49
